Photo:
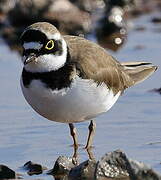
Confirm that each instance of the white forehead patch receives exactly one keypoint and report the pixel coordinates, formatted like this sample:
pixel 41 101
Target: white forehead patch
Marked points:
pixel 55 36
pixel 32 45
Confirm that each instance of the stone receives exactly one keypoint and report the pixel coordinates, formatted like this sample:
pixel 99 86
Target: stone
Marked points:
pixel 6 172
pixel 156 20
pixel 66 16
pixel 6 6
pixel 112 30
pixel 116 166
pixel 33 168
pixel 120 3
pixel 86 5
pixel 156 90
pixel 144 172
pixel 113 165
pixel 84 171
pixel 62 166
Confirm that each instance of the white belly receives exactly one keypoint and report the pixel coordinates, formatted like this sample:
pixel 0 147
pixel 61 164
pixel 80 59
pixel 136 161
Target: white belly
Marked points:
pixel 82 101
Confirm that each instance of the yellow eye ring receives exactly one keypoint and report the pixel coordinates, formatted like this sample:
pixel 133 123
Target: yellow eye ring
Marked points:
pixel 49 45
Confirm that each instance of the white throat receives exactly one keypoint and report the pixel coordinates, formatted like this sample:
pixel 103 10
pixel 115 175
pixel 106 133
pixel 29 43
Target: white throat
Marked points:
pixel 48 62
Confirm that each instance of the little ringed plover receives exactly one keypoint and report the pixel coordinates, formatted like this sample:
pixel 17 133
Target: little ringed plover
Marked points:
pixel 69 79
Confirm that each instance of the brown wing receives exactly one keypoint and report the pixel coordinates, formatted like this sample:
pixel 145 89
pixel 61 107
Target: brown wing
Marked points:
pixel 95 63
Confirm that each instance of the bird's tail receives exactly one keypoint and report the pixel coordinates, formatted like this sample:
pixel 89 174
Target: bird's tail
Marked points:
pixel 138 71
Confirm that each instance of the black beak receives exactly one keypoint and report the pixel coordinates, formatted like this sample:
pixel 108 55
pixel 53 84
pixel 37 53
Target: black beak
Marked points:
pixel 30 58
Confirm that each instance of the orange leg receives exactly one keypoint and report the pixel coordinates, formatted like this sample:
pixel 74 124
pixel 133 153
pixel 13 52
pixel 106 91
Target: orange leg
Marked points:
pixel 92 128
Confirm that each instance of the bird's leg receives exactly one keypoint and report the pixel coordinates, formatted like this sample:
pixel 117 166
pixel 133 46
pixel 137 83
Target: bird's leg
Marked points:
pixel 92 128
pixel 75 140
pixel 75 158
pixel 90 154
pixel 73 133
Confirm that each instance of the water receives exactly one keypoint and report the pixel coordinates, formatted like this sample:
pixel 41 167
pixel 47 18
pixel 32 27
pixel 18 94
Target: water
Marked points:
pixel 130 125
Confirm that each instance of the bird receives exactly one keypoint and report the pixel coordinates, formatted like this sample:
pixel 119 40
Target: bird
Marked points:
pixel 69 79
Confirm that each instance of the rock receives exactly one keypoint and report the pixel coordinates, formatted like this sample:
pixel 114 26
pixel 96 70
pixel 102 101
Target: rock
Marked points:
pixel 156 90
pixel 62 166
pixel 144 172
pixel 116 165
pixel 6 6
pixel 33 168
pixel 67 17
pixel 86 5
pixel 6 172
pixel 140 28
pixel 84 171
pixel 113 41
pixel 143 6
pixel 112 20
pixel 112 30
pixel 27 12
pixel 113 165
pixel 119 3
pixel 139 47
pixel 156 20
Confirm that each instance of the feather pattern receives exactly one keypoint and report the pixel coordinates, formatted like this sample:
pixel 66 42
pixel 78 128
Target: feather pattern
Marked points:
pixel 95 63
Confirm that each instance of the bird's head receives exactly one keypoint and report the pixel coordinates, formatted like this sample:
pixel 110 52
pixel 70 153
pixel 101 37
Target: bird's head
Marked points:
pixel 44 49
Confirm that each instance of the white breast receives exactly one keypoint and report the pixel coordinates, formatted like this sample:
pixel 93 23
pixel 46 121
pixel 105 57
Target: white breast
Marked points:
pixel 82 101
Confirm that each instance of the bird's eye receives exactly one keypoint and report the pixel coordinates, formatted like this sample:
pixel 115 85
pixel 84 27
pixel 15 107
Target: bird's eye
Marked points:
pixel 49 45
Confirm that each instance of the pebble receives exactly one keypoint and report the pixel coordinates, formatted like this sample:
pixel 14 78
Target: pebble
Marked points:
pixel 33 168
pixel 6 172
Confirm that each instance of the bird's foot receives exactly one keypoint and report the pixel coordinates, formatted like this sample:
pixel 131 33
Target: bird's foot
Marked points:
pixel 75 161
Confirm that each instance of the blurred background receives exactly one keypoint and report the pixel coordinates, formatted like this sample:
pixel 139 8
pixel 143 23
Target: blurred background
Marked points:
pixel 129 30
pixel 107 21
